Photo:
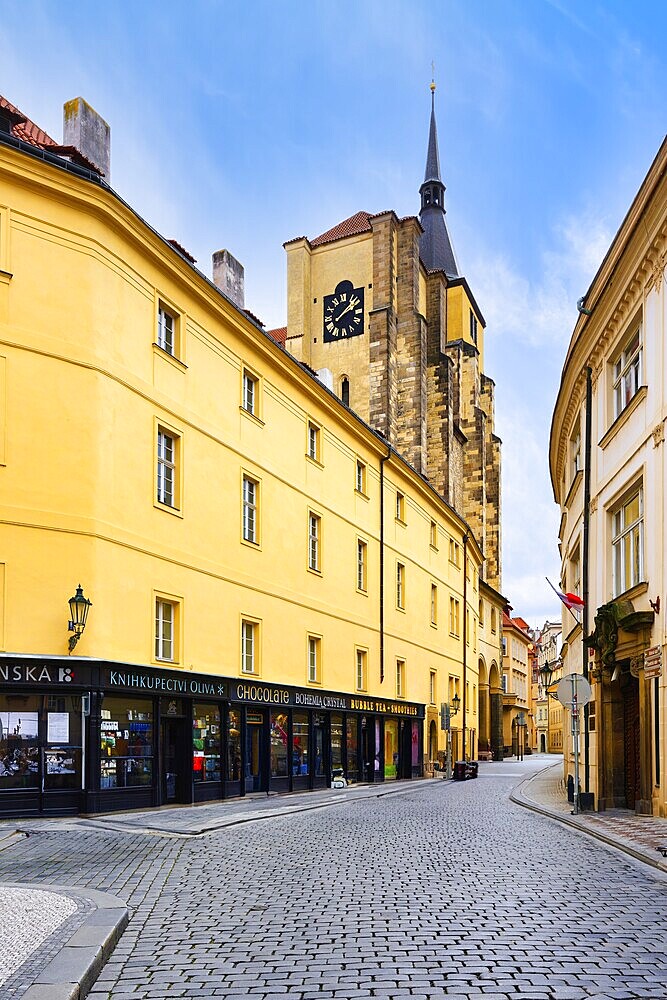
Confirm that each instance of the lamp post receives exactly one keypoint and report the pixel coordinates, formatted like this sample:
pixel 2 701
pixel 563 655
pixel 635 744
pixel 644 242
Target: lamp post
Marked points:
pixel 546 673
pixel 447 712
pixel 78 609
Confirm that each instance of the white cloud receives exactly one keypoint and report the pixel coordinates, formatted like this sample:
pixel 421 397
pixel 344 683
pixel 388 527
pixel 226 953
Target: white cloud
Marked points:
pixel 542 311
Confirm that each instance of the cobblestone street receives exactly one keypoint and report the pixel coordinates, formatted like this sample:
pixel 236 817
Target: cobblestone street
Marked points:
pixel 442 890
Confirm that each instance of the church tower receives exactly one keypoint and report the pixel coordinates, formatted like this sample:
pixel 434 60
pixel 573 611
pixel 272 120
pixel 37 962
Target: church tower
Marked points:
pixel 377 306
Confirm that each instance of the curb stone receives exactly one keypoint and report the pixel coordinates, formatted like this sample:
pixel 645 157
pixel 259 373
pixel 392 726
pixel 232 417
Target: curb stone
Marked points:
pixel 71 973
pixel 520 799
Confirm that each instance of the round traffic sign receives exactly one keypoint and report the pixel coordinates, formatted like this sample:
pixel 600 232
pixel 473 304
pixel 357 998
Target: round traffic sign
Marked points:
pixel 574 687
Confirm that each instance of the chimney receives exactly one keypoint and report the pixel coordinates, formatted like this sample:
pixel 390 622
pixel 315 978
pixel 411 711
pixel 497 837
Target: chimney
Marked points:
pixel 88 131
pixel 228 277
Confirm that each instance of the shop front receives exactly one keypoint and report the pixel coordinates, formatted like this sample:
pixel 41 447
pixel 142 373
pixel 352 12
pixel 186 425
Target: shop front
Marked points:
pixel 81 736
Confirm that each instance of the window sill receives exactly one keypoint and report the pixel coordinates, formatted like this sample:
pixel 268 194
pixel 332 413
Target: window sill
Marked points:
pixel 171 358
pixel 5 277
pixel 636 591
pixel 174 511
pixel 624 415
pixel 434 625
pixel 254 675
pixel 315 572
pixel 362 495
pixel 314 461
pixel 172 663
pixel 364 593
pixel 314 683
pixel 255 546
pixel 433 548
pixel 399 608
pixel 399 520
pixel 252 416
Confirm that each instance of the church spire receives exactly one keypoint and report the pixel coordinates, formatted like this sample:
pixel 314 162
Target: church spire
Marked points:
pixel 435 250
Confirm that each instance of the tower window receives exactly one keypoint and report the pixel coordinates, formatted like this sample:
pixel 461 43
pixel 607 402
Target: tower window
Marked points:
pixel 345 390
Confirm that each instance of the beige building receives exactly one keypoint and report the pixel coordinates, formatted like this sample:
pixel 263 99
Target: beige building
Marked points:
pixel 548 671
pixel 607 459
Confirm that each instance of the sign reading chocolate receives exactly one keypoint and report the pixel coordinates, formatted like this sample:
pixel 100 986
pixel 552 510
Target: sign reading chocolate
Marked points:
pixel 262 694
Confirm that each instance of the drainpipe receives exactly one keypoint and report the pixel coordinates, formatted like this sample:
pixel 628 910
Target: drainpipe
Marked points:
pixel 465 634
pixel 587 519
pixel 385 458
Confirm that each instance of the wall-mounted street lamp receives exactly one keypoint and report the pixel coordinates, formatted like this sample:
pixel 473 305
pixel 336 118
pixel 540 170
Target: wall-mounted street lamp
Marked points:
pixel 546 673
pixel 456 704
pixel 78 610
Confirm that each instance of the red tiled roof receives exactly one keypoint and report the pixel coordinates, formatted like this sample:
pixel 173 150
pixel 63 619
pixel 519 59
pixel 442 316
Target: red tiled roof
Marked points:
pixel 279 335
pixel 27 130
pixel 356 224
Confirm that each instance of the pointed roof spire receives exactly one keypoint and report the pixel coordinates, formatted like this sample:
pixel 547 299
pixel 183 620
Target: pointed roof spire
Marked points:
pixel 432 172
pixel 435 249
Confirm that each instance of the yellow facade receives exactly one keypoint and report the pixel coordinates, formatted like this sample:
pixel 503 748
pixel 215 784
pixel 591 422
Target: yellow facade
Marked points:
pixel 88 394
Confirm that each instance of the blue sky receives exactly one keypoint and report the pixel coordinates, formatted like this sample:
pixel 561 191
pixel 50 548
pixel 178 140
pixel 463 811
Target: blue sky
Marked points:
pixel 244 125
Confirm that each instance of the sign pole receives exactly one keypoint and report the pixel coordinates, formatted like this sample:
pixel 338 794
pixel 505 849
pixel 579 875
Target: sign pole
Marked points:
pixel 575 736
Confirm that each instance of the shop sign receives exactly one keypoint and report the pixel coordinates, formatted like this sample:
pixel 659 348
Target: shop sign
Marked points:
pixel 171 683
pixel 27 672
pixel 653 662
pixel 385 707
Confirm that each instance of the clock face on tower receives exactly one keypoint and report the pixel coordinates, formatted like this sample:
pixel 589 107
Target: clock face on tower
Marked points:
pixel 343 312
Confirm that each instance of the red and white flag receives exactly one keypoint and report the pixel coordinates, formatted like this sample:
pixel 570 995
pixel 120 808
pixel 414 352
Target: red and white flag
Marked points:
pixel 571 601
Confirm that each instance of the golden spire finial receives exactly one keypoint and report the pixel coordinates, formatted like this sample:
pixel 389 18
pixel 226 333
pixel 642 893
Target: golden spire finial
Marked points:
pixel 432 77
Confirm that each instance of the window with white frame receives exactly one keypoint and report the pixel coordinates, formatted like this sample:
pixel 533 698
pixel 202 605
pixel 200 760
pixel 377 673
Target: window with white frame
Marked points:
pixel 250 510
pixel 313 542
pixel 454 614
pixel 165 629
pixel 627 372
pixel 432 687
pixel 166 468
pixel 575 573
pixel 249 398
pixel 166 330
pixel 361 670
pixel 313 441
pixel 400 506
pixel 362 549
pixel 400 586
pixel 400 678
pixel 454 552
pixel 434 604
pixel 434 535
pixel 314 660
pixel 360 481
pixel 248 647
pixel 628 543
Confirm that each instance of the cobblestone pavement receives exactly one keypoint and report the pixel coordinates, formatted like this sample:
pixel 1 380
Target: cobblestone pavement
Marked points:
pixel 447 890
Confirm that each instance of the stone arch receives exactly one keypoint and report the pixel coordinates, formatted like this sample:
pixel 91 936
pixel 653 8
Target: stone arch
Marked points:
pixel 496 711
pixel 432 741
pixel 483 711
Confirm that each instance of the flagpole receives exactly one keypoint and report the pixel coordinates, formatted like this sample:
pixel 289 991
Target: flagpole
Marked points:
pixel 560 598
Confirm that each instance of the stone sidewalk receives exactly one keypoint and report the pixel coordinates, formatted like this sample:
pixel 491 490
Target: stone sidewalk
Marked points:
pixel 639 836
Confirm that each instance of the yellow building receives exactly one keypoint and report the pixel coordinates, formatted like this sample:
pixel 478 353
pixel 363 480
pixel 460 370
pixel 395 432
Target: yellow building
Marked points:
pixel 276 594
pixel 516 684
pixel 607 462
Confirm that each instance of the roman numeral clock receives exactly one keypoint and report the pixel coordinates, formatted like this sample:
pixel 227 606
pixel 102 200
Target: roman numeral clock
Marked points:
pixel 343 312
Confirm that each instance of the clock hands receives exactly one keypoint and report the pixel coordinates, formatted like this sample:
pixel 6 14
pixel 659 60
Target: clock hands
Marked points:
pixel 346 309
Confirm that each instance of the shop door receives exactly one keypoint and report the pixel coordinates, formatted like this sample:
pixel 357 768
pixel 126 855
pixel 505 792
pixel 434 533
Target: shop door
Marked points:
pixel 631 745
pixel 368 749
pixel 173 759
pixel 320 750
pixel 255 755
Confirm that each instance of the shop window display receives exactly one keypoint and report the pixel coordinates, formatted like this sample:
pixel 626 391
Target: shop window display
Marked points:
pixel 19 741
pixel 336 741
pixel 126 742
pixel 233 769
pixel 300 743
pixel 63 748
pixel 206 738
pixel 279 744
